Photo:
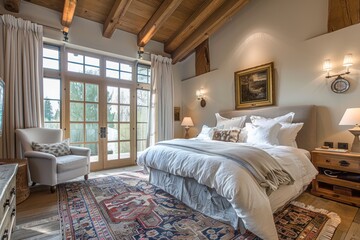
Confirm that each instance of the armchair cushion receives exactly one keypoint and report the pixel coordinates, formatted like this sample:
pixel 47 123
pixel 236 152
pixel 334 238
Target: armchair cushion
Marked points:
pixel 70 162
pixel 56 149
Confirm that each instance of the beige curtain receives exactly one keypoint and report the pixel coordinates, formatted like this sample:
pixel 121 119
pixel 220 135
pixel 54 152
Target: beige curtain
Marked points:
pixel 162 121
pixel 21 69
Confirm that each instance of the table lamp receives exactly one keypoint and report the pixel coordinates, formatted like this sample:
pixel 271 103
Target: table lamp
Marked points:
pixel 352 117
pixel 187 123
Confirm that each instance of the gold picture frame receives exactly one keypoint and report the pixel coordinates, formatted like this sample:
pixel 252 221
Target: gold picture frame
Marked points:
pixel 254 87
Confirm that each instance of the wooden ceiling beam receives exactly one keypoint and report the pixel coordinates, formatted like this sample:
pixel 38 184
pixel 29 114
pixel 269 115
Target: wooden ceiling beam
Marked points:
pixel 343 13
pixel 211 25
pixel 190 25
pixel 68 13
pixel 156 21
pixel 115 16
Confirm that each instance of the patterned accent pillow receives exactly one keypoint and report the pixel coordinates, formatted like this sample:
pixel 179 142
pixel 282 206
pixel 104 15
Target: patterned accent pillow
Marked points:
pixel 56 149
pixel 226 135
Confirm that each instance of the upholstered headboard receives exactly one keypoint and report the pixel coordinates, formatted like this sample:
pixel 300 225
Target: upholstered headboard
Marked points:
pixel 306 138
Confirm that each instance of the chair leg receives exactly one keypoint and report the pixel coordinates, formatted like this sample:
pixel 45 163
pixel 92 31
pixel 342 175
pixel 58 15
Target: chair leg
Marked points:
pixel 52 189
pixel 86 177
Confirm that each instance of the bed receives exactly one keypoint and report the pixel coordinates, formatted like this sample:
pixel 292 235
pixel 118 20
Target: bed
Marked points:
pixel 207 176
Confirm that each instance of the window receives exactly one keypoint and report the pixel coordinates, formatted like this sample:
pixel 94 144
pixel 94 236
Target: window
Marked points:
pixel 51 87
pixel 143 74
pixel 142 105
pixel 51 57
pixel 119 70
pixel 52 103
pixel 83 64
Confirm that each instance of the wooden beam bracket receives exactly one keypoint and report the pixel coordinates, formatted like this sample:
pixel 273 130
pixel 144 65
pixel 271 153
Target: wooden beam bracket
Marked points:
pixel 68 12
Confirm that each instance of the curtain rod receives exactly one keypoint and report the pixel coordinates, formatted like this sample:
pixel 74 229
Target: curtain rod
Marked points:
pixel 44 25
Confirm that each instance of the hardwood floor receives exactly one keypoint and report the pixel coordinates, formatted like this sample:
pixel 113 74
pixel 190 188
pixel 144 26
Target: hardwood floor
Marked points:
pixel 37 217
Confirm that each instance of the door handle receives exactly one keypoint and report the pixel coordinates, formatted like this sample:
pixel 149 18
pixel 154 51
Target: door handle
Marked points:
pixel 102 132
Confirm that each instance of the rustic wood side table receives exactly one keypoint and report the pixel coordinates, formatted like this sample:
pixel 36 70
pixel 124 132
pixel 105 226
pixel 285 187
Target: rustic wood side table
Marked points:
pixel 22 183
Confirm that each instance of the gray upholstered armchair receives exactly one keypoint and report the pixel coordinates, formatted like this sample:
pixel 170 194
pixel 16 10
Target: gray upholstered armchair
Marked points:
pixel 47 169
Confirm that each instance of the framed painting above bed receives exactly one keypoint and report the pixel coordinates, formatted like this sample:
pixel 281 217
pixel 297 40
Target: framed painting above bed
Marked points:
pixel 254 87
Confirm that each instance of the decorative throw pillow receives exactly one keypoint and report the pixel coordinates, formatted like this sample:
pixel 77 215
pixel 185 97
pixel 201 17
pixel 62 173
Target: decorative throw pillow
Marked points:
pixel 227 123
pixel 267 134
pixel 226 135
pixel 258 120
pixel 56 149
pixel 288 132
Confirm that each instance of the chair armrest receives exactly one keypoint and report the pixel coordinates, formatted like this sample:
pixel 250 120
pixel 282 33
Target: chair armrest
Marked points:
pixel 80 151
pixel 36 154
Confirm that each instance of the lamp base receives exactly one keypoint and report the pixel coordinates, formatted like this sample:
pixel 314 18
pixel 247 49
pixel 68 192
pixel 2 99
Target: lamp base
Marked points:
pixel 356 144
pixel 186 136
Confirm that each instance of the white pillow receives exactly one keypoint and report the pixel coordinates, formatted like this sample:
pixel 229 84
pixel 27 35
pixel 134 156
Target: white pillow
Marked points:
pixel 287 118
pixel 243 133
pixel 206 133
pixel 226 123
pixel 264 134
pixel 288 132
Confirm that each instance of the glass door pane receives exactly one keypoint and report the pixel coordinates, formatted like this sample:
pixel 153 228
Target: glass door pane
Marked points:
pixel 118 123
pixel 142 119
pixel 84 117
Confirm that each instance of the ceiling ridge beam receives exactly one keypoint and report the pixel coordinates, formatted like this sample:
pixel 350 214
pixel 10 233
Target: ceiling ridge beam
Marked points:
pixel 115 16
pixel 156 21
pixel 211 25
pixel 68 13
pixel 190 25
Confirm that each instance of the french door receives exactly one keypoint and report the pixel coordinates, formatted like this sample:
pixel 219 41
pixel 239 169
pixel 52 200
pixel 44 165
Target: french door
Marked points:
pixel 119 142
pixel 100 116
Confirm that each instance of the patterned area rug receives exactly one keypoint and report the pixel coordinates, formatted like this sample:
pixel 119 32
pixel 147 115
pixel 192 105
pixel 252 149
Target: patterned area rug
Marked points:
pixel 127 206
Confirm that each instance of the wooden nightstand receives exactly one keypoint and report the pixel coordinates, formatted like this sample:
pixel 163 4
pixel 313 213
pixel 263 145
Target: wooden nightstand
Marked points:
pixel 340 190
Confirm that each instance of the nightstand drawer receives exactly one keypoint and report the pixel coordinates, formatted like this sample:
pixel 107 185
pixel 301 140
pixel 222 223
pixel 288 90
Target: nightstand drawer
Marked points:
pixel 337 162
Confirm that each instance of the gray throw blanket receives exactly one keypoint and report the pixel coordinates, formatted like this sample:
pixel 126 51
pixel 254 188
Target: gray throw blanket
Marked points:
pixel 266 170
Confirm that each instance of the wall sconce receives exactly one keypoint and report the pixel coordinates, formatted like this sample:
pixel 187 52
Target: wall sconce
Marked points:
pixel 340 84
pixel 141 51
pixel 200 97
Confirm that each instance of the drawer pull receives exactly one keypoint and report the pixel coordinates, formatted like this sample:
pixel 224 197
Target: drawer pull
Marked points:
pixel 344 163
pixel 327 160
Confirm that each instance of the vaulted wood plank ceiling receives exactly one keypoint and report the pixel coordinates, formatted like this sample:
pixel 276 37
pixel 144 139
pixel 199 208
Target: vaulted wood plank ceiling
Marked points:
pixel 181 25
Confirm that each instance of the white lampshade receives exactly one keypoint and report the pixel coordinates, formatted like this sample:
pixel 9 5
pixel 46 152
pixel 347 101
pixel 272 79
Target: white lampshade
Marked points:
pixel 351 117
pixel 348 60
pixel 327 65
pixel 187 122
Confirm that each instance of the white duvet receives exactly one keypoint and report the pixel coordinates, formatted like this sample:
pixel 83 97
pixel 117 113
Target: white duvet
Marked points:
pixel 235 183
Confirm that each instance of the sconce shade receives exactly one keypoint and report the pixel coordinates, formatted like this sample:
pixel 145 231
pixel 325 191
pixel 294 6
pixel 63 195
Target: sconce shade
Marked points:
pixel 198 93
pixel 187 122
pixel 351 117
pixel 348 60
pixel 327 65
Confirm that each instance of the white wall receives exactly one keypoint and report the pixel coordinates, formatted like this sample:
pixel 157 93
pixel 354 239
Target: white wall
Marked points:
pixel 285 32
